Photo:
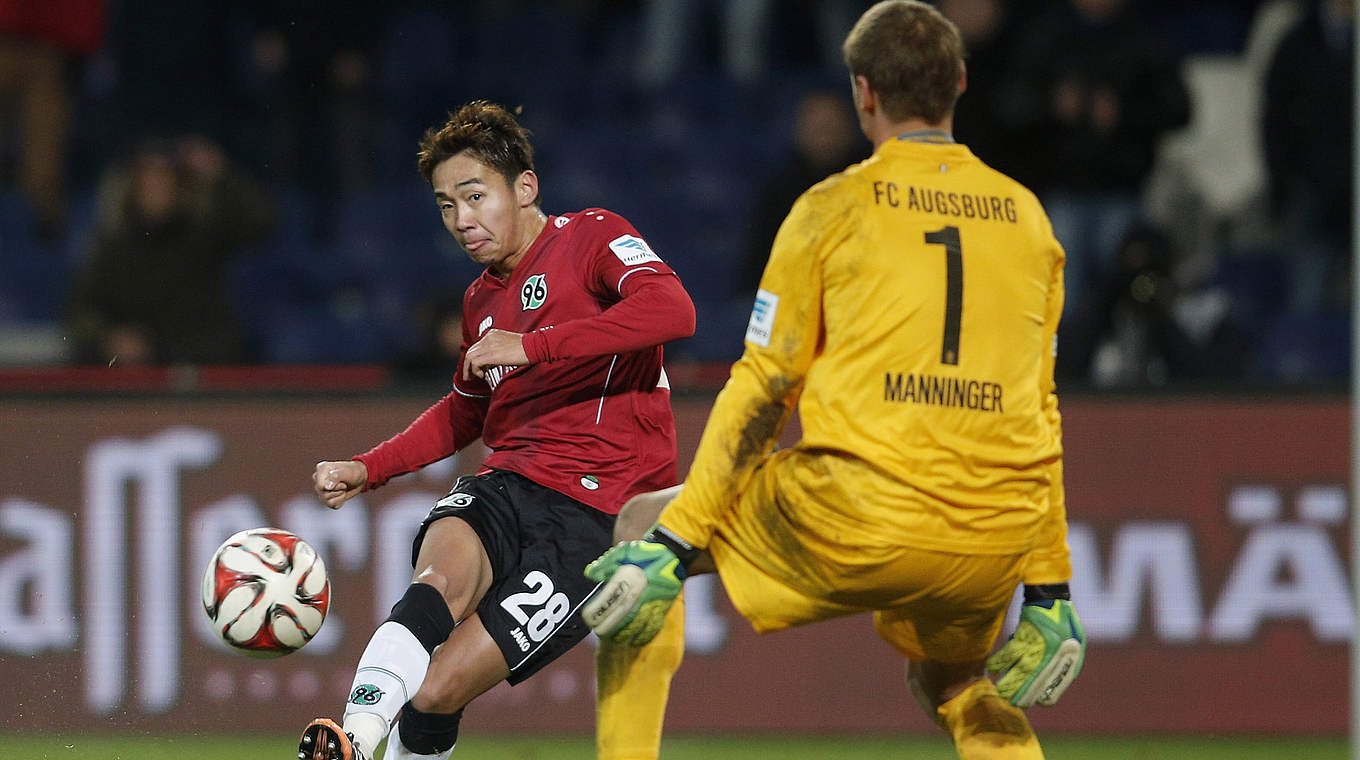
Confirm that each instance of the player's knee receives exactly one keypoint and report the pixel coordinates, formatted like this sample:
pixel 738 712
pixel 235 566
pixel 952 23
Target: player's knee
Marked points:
pixel 423 611
pixel 451 560
pixel 639 514
pixel 434 579
pixel 460 595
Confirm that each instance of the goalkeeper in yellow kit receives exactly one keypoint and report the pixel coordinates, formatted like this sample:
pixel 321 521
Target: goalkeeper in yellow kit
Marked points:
pixel 909 310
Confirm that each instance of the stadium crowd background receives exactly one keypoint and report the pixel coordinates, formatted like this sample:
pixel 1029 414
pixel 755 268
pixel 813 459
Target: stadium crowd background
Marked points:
pixel 222 182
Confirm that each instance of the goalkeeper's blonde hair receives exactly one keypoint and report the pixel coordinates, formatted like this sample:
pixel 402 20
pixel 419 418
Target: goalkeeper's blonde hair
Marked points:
pixel 912 56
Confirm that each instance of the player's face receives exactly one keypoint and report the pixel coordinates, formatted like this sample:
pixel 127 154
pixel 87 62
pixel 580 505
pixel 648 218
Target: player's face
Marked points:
pixel 488 216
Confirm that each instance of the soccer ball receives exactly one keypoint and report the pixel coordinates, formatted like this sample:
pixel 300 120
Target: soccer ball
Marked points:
pixel 266 592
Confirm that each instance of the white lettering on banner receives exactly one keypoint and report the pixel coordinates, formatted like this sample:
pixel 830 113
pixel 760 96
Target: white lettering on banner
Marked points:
pixel 341 537
pixel 1283 571
pixel 397 526
pixel 1248 504
pixel 1313 588
pixel 1155 559
pixel 1325 505
pixel 113 466
pixel 37 612
pixel 1286 571
pixel 1277 550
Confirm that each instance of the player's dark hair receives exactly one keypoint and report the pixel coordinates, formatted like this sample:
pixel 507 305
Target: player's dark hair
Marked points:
pixel 488 132
pixel 912 56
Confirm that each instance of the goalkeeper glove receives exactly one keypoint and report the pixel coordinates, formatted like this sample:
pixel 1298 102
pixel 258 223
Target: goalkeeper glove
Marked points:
pixel 1045 653
pixel 640 580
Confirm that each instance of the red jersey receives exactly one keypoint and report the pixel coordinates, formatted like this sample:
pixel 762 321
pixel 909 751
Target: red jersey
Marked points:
pixel 590 416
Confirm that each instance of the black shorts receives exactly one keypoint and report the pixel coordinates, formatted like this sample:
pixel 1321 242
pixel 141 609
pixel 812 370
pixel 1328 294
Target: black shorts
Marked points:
pixel 539 542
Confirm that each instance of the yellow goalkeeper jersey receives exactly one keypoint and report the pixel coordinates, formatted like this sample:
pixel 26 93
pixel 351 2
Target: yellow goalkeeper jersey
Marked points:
pixel 909 308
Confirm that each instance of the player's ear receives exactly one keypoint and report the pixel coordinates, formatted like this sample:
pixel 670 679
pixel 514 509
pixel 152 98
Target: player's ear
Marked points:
pixel 963 77
pixel 526 188
pixel 865 99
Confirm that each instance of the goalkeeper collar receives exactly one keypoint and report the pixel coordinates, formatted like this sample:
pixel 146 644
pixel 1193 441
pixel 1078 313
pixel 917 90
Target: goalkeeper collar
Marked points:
pixel 927 136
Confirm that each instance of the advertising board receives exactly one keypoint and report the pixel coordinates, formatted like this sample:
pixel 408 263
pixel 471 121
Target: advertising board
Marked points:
pixel 1208 541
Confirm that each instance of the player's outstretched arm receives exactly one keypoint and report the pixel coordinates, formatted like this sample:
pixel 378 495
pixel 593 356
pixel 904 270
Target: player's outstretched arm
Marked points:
pixel 1045 654
pixel 639 582
pixel 337 482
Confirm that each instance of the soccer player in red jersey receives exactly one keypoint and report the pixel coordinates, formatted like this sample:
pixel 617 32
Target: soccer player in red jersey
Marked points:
pixel 562 378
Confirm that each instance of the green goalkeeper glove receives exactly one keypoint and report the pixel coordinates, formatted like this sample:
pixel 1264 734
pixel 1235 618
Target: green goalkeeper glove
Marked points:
pixel 1045 653
pixel 640 580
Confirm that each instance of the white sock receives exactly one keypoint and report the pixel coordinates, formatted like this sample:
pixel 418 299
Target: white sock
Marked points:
pixel 398 751
pixel 368 730
pixel 390 672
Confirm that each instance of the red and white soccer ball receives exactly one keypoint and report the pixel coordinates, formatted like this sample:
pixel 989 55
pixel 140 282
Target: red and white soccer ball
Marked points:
pixel 266 592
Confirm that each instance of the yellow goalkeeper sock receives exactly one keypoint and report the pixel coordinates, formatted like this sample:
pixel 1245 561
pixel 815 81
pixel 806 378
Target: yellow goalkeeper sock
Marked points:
pixel 631 688
pixel 986 727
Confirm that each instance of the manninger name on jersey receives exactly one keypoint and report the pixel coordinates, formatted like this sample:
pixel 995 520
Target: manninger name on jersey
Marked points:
pixel 935 390
pixel 632 250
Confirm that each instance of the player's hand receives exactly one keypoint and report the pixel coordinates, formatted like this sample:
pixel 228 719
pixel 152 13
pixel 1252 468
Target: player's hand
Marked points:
pixel 641 579
pixel 496 347
pixel 1043 656
pixel 336 482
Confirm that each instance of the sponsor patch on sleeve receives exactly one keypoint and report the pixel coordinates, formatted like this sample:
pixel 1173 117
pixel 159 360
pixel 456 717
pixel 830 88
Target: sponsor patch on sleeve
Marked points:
pixel 632 250
pixel 760 327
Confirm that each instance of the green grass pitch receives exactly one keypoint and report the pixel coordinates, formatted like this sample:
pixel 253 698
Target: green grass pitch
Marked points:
pixel 484 747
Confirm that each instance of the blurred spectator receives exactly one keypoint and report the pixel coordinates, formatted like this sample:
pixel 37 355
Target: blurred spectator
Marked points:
pixel 1307 141
pixel 980 122
pixel 1095 91
pixel 825 141
pixel 670 29
pixel 672 34
pixel 308 62
pixel 171 66
pixel 1143 330
pixel 1204 26
pixel 41 45
pixel 155 289
pixel 436 360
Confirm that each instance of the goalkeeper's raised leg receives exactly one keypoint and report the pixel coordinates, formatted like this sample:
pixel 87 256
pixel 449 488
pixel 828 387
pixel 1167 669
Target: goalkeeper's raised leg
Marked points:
pixel 633 682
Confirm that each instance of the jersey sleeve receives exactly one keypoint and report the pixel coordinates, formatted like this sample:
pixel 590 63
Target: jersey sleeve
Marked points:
pixel 1049 561
pixel 647 305
pixel 782 339
pixel 442 430
pixel 614 252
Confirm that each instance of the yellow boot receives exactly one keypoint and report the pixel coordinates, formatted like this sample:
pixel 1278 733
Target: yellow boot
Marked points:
pixel 986 727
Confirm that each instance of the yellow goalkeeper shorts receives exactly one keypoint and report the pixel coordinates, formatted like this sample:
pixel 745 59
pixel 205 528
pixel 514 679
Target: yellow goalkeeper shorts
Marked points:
pixel 779 571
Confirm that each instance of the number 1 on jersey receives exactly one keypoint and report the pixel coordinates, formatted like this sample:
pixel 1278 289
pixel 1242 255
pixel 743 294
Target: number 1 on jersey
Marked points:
pixel 953 289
